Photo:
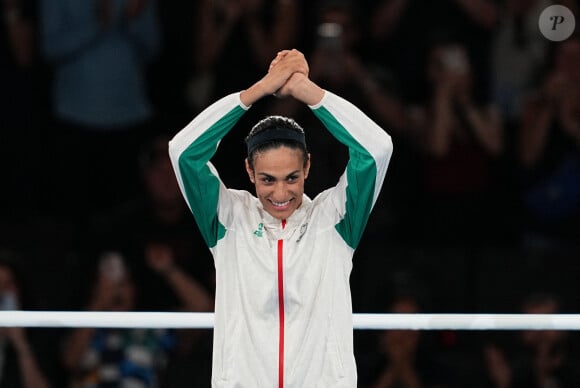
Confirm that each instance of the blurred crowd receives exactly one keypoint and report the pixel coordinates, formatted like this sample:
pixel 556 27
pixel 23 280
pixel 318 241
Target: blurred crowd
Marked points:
pixel 480 211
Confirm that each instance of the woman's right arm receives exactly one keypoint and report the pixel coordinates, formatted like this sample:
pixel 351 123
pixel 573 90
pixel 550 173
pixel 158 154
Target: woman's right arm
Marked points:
pixel 190 152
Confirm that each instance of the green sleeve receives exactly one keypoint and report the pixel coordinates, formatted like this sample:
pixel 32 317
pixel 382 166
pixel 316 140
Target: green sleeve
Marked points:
pixel 191 150
pixel 370 149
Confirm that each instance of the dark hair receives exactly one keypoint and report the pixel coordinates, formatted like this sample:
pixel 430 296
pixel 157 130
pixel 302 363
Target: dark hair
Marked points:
pixel 274 132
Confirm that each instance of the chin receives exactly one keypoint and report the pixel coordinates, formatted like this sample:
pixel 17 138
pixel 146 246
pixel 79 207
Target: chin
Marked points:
pixel 281 214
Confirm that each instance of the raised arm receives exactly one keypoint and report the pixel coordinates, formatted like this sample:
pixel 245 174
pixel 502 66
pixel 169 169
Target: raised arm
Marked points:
pixel 192 148
pixel 370 149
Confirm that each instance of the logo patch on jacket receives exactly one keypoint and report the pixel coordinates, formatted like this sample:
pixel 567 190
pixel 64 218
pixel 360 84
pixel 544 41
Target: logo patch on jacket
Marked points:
pixel 260 231
pixel 303 228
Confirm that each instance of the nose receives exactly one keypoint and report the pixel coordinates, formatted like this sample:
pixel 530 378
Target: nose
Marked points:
pixel 279 192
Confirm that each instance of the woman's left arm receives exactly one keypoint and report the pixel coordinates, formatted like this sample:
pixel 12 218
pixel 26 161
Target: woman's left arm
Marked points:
pixel 370 147
pixel 370 150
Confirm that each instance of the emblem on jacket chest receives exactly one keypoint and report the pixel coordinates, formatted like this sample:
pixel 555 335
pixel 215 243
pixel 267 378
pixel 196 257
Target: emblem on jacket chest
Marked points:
pixel 303 228
pixel 259 232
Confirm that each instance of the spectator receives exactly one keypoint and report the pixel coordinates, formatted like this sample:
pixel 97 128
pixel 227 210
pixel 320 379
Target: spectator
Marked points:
pixel 98 51
pixel 158 223
pixel 172 69
pixel 518 55
pixel 549 155
pixel 22 110
pixel 127 357
pixel 159 216
pixel 404 358
pixel 461 139
pixel 539 358
pixel 22 365
pixel 396 25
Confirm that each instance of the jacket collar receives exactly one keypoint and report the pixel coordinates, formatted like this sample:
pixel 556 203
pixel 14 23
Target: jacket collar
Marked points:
pixel 274 226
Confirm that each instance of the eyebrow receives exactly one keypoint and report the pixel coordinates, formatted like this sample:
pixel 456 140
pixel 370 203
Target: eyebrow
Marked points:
pixel 273 177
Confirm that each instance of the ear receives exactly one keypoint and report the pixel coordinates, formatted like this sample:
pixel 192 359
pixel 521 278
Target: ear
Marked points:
pixel 307 167
pixel 249 171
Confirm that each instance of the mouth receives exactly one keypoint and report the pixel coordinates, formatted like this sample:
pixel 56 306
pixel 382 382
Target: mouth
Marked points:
pixel 280 205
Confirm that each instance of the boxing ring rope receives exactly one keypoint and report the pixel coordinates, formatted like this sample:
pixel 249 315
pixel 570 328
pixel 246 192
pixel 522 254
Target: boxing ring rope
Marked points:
pixel 373 321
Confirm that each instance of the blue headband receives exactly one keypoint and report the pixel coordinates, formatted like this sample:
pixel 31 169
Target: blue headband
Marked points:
pixel 274 134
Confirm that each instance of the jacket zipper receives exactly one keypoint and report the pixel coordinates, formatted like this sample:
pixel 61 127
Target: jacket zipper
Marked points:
pixel 281 310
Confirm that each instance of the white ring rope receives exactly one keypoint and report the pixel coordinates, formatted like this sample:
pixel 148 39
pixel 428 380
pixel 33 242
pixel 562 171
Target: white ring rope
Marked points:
pixel 190 320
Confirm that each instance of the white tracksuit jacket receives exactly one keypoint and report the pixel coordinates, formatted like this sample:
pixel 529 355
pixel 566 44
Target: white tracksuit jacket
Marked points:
pixel 283 312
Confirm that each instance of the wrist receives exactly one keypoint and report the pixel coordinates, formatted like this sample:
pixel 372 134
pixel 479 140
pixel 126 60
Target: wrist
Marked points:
pixel 255 92
pixel 307 91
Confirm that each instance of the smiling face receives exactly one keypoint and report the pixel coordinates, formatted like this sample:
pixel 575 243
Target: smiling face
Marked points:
pixel 278 175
